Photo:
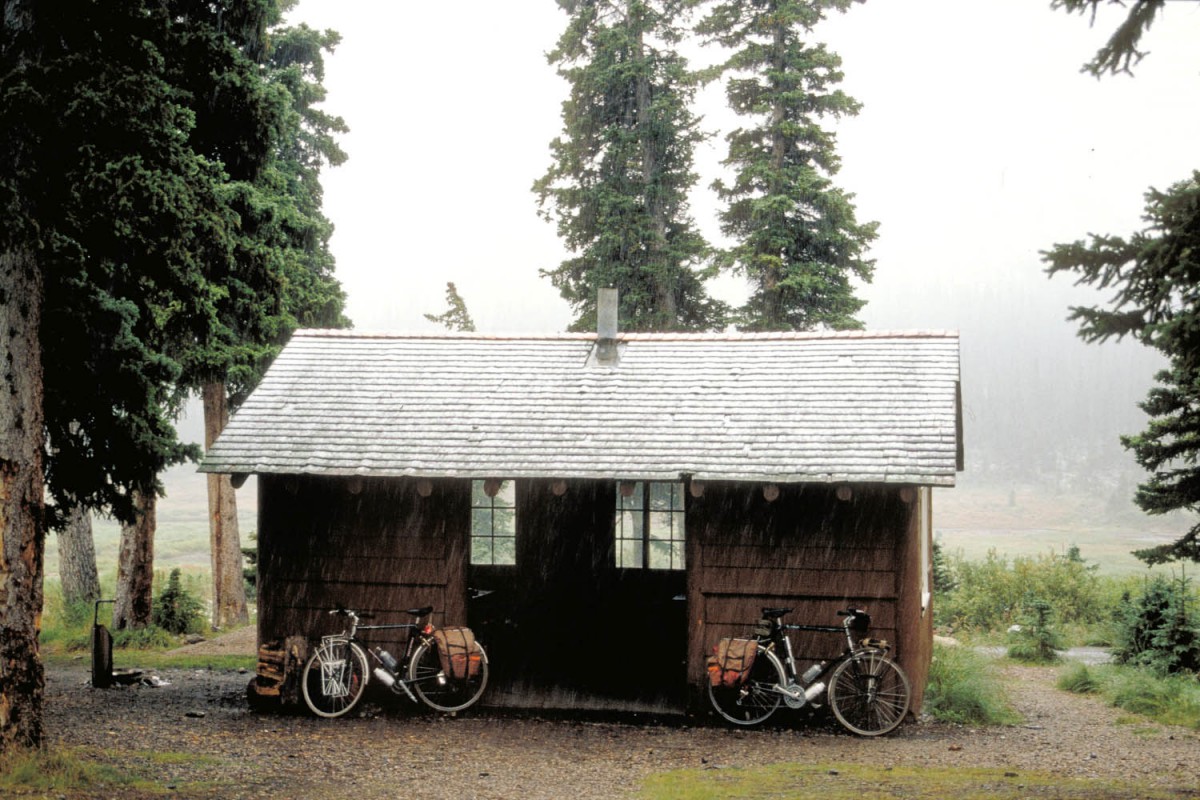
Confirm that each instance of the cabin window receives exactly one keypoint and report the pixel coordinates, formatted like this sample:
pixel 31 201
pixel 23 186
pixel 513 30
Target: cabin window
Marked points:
pixel 493 522
pixel 650 525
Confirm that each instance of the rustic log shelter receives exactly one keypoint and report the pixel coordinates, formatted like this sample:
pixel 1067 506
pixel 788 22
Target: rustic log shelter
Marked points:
pixel 624 500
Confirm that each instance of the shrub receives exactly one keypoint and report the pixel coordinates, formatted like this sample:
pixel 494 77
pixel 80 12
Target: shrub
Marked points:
pixel 1035 639
pixel 944 579
pixel 150 637
pixel 994 593
pixel 1158 630
pixel 962 688
pixel 1079 679
pixel 175 609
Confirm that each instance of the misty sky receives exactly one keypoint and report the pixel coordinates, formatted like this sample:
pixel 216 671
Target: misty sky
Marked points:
pixel 979 144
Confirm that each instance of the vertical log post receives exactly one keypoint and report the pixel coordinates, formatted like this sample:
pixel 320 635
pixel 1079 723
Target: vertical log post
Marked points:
pixel 229 591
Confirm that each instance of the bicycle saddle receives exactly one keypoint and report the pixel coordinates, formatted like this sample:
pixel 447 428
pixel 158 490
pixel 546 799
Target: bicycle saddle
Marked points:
pixel 775 613
pixel 419 612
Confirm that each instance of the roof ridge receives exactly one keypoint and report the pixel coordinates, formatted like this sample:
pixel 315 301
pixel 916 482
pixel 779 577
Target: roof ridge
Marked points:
pixel 633 336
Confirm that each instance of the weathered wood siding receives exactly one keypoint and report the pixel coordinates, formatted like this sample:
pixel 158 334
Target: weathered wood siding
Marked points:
pixel 807 550
pixel 558 624
pixel 371 544
pixel 916 600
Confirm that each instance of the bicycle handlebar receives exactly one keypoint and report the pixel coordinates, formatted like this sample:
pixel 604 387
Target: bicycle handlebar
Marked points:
pixel 346 612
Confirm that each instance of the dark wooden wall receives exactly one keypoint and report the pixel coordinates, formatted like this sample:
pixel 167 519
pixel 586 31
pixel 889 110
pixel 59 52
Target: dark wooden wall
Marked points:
pixel 807 550
pixel 371 544
pixel 564 628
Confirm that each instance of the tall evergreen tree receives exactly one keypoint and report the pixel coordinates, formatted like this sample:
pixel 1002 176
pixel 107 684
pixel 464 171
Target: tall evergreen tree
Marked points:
pixel 104 202
pixel 623 166
pixel 281 270
pixel 1156 277
pixel 797 240
pixel 1155 274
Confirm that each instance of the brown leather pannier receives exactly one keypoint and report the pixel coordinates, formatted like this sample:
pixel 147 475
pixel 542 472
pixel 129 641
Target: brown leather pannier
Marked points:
pixel 731 662
pixel 459 654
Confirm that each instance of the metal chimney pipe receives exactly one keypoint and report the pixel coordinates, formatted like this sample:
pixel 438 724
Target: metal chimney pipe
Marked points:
pixel 606 325
pixel 606 314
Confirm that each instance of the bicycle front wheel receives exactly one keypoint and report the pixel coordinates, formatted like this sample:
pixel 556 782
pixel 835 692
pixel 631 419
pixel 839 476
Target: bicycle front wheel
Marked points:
pixel 869 693
pixel 439 690
pixel 755 699
pixel 334 678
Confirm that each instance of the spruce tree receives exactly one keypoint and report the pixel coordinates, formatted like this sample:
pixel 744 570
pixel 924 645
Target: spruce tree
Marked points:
pixel 1155 277
pixel 622 168
pixel 103 202
pixel 796 238
pixel 456 317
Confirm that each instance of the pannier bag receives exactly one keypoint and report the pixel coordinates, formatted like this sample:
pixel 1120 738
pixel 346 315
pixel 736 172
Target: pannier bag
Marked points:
pixel 731 662
pixel 459 654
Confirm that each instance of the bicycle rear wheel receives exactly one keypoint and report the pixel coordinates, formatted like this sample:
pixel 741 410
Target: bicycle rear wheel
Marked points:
pixel 757 698
pixel 334 678
pixel 869 693
pixel 439 690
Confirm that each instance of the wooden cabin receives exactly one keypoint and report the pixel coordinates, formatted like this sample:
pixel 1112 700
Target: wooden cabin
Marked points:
pixel 624 500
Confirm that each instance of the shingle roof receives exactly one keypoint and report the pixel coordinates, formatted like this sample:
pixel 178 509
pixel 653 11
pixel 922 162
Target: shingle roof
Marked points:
pixel 786 407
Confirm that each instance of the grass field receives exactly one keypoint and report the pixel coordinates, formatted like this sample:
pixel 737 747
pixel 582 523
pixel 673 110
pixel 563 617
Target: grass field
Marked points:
pixel 182 536
pixel 1027 520
pixel 1014 520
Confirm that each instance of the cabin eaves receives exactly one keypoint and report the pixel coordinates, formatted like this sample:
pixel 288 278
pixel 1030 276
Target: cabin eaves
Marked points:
pixel 786 407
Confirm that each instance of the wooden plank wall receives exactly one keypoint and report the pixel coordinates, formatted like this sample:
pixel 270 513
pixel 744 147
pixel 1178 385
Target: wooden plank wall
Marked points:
pixel 807 550
pixel 371 544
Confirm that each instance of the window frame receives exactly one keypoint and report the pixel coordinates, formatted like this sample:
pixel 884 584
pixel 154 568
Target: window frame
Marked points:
pixel 495 501
pixel 676 538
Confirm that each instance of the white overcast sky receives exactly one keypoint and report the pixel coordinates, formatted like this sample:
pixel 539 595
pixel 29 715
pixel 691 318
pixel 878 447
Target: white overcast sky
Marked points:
pixel 979 144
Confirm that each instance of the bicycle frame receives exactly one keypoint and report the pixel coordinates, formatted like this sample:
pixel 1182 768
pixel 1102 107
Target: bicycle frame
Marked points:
pixel 867 692
pixel 399 682
pixel 798 691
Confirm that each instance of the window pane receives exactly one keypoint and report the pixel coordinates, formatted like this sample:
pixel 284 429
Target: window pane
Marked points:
pixel 507 494
pixel 481 522
pixel 504 521
pixel 630 554
pixel 504 550
pixel 479 497
pixel 481 551
pixel 677 561
pixel 660 496
pixel 677 497
pixel 660 555
pixel 660 524
pixel 634 500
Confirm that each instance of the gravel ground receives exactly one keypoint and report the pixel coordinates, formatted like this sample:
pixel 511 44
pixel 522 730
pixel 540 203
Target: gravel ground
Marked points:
pixel 389 751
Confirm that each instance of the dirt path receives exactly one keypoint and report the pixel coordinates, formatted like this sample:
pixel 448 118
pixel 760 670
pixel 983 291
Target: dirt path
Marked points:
pixel 225 751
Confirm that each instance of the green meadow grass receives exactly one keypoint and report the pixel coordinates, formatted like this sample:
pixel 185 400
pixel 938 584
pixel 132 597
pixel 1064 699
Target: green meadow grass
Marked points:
pixel 857 782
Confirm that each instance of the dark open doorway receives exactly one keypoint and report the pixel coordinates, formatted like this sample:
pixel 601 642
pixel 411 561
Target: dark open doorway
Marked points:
pixel 566 626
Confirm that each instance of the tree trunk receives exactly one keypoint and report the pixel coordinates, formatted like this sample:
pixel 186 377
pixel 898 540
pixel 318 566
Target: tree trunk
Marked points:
pixel 22 524
pixel 135 566
pixel 229 588
pixel 77 559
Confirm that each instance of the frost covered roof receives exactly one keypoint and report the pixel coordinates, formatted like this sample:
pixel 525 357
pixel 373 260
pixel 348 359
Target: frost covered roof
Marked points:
pixel 785 407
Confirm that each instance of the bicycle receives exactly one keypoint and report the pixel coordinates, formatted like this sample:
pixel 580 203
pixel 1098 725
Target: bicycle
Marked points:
pixel 336 675
pixel 867 691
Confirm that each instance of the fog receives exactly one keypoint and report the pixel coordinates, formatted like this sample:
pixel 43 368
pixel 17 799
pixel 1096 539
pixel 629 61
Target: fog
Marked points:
pixel 979 145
